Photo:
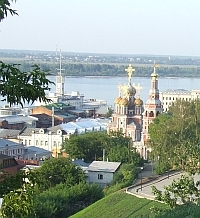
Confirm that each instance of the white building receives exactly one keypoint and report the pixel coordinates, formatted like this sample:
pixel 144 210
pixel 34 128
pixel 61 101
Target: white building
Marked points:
pixel 171 95
pixel 102 172
pixel 52 138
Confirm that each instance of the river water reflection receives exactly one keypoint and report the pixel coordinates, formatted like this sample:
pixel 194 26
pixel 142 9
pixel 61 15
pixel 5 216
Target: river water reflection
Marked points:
pixel 106 87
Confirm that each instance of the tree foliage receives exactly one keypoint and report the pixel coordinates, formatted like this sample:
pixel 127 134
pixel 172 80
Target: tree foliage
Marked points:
pixel 5 9
pixel 58 170
pixel 175 137
pixel 122 178
pixel 89 146
pixel 182 191
pixel 63 201
pixel 18 193
pixel 18 87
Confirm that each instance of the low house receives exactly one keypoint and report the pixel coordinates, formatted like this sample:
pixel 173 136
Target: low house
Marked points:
pixel 11 148
pixel 36 153
pixel 102 172
pixel 17 122
pixel 10 134
pixel 8 164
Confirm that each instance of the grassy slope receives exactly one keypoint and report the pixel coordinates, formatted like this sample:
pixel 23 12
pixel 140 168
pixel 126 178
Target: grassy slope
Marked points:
pixel 119 204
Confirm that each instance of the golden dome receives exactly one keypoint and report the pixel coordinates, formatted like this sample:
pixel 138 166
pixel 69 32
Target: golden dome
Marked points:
pixel 138 102
pixel 124 102
pixel 118 99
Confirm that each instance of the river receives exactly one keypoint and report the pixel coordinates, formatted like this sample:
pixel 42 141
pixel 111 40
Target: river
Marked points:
pixel 106 87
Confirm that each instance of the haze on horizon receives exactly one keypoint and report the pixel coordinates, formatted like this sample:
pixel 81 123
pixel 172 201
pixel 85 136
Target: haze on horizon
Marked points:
pixel 104 26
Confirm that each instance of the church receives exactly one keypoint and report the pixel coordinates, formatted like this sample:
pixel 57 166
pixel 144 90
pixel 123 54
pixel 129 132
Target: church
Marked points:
pixel 131 116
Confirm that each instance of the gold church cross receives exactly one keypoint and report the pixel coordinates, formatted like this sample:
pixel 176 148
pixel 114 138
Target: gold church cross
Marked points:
pixel 155 66
pixel 129 71
pixel 119 88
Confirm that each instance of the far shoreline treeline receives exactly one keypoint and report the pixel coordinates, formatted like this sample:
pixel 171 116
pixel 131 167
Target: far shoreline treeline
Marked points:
pixel 110 69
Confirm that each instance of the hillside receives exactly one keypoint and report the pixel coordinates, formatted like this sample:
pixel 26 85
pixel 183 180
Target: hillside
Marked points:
pixel 119 204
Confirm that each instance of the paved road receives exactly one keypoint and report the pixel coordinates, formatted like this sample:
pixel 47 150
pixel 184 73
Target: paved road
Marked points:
pixel 145 190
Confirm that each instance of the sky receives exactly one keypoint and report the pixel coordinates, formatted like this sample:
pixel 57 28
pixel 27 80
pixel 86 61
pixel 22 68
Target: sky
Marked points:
pixel 154 27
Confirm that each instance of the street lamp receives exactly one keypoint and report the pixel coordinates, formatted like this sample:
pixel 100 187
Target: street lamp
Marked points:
pixel 141 176
pixel 168 166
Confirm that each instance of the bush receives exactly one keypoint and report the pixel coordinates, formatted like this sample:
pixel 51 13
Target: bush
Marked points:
pixel 62 201
pixel 123 178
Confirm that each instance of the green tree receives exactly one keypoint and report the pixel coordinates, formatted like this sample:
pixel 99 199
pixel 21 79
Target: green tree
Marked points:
pixel 5 9
pixel 19 203
pixel 58 170
pixel 183 190
pixel 17 87
pixel 174 137
pixel 62 201
pixel 89 146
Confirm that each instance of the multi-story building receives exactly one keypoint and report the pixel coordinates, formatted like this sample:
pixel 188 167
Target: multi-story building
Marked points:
pixel 171 95
pixel 52 138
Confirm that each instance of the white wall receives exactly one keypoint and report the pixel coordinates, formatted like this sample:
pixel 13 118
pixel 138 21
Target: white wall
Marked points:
pixel 93 177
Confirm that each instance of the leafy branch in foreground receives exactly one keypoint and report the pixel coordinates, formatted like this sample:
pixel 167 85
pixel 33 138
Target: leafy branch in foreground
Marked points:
pixel 5 8
pixel 182 191
pixel 18 87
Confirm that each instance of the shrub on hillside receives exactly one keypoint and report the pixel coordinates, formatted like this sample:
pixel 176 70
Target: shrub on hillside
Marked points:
pixel 123 178
pixel 62 201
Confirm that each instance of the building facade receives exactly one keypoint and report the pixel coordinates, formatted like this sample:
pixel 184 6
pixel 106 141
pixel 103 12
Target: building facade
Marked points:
pixel 172 95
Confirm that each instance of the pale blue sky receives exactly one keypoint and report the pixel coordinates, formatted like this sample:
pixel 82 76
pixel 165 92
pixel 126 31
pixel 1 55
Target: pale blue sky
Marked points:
pixel 160 27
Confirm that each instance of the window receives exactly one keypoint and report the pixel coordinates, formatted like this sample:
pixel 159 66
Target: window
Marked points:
pixel 37 143
pixel 169 98
pixel 163 98
pixel 46 143
pixel 100 176
pixel 25 142
pixel 54 143
pixel 41 143
pixel 166 98
pixel 29 142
